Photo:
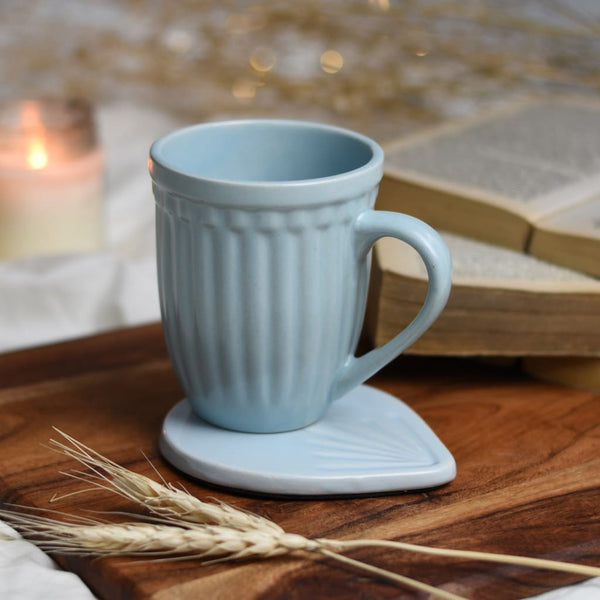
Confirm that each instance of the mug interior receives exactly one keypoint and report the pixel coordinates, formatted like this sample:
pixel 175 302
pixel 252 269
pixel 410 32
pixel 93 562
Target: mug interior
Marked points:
pixel 264 151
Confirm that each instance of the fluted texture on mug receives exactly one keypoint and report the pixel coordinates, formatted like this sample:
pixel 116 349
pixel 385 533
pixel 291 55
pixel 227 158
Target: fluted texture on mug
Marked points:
pixel 259 306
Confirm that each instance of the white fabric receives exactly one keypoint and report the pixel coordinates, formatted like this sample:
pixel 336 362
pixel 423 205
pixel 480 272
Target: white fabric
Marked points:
pixel 46 299
pixel 27 573
pixel 588 590
pixel 43 300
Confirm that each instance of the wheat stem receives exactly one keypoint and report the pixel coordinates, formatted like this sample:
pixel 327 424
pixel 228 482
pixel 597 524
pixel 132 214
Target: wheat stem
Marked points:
pixel 406 581
pixel 521 561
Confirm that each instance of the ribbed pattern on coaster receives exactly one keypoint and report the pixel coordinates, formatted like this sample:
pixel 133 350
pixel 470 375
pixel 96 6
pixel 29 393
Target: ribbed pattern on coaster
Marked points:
pixel 259 307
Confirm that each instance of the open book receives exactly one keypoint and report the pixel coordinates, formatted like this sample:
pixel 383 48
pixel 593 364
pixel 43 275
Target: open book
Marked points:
pixel 527 177
pixel 502 303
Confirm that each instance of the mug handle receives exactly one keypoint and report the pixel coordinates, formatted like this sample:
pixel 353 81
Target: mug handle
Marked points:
pixel 371 225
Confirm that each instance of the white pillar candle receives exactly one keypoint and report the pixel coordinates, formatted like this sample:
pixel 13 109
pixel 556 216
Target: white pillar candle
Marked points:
pixel 51 179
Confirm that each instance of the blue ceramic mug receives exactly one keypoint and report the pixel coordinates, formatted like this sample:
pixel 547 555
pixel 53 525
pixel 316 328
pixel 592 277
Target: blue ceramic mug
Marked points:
pixel 264 231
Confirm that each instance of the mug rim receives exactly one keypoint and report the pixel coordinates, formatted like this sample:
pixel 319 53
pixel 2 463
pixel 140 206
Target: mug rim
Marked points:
pixel 318 190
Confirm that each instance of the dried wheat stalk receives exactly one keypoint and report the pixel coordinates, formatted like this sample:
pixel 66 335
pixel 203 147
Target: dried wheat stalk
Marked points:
pixel 167 501
pixel 164 537
pixel 162 499
pixel 183 525
pixel 172 538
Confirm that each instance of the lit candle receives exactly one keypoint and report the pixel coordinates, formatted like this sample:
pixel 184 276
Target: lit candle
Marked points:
pixel 51 179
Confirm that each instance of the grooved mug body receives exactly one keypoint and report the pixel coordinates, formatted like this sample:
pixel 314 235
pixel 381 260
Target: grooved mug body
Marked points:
pixel 259 306
pixel 262 283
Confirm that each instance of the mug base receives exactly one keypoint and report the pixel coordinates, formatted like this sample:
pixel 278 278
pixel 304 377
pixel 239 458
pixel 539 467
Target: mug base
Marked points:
pixel 368 442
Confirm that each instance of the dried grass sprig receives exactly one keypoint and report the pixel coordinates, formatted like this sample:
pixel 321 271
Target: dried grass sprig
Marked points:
pixel 171 538
pixel 167 501
pixel 162 499
pixel 184 526
pixel 165 537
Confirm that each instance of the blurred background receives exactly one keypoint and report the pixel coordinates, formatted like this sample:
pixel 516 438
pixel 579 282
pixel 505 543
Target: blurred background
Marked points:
pixel 380 66
pixel 383 67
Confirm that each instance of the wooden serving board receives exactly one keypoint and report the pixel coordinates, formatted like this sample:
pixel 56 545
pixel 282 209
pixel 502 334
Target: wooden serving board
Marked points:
pixel 528 475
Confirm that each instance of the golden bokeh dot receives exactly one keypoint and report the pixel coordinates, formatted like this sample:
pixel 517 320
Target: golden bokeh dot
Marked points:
pixel 331 61
pixel 382 5
pixel 244 89
pixel 262 59
pixel 241 23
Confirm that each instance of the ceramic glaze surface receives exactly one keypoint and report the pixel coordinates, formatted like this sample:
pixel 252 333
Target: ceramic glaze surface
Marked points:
pixel 367 442
pixel 260 307
pixel 263 236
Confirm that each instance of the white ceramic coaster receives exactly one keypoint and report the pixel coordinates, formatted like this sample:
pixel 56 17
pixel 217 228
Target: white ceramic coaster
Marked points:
pixel 368 442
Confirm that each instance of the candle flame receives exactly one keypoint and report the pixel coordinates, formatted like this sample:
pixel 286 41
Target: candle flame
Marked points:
pixel 37 157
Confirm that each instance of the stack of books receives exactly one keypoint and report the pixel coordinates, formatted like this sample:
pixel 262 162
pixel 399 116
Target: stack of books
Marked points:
pixel 516 195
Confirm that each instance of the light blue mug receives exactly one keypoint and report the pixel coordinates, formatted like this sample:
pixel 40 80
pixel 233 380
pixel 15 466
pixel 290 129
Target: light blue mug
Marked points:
pixel 264 231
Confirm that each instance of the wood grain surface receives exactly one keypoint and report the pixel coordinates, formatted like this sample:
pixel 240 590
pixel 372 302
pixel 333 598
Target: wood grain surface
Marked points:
pixel 528 475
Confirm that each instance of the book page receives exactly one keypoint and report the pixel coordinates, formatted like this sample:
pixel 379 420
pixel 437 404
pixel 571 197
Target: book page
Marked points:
pixel 580 220
pixel 570 238
pixel 542 156
pixel 480 264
